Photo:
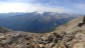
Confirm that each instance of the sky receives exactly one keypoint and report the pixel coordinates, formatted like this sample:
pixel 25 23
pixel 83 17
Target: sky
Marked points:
pixel 61 6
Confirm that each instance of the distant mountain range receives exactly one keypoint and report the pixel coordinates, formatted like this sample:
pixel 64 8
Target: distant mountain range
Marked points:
pixel 34 22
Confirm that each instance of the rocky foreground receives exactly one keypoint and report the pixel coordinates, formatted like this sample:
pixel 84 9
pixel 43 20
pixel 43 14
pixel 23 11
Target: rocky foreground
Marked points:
pixel 67 38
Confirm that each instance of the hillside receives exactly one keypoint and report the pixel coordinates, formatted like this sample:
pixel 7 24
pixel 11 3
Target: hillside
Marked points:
pixel 34 22
pixel 68 35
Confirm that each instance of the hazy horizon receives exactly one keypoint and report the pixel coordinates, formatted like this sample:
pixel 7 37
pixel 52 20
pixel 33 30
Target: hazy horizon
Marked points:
pixel 61 6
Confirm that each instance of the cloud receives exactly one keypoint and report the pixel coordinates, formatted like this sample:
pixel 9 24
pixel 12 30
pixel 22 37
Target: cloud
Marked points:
pixel 12 7
pixel 62 6
pixel 26 7
pixel 16 0
pixel 79 8
pixel 57 9
pixel 21 0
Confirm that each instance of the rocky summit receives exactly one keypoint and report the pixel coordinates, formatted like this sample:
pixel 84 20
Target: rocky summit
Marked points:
pixel 69 35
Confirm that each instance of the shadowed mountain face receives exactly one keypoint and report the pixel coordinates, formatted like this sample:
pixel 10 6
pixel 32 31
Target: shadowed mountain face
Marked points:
pixel 34 22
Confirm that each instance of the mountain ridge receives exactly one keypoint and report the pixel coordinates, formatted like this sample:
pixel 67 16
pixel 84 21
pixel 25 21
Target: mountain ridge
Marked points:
pixel 34 22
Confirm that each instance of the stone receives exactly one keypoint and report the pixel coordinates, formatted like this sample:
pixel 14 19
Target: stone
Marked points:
pixel 79 45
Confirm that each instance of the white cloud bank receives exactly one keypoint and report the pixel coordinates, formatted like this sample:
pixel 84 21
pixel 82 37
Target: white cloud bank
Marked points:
pixel 25 7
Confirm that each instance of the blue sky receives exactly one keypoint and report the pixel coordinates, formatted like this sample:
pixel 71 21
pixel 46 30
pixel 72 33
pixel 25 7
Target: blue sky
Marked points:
pixel 61 6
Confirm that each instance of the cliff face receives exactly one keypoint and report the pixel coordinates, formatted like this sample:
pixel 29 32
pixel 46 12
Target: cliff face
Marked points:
pixel 68 35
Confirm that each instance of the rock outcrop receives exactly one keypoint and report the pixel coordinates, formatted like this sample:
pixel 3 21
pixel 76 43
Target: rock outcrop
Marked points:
pixel 83 22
